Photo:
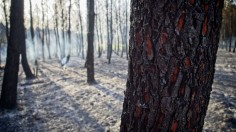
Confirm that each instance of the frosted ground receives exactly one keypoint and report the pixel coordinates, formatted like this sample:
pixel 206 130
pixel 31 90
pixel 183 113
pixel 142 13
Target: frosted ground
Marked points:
pixel 62 101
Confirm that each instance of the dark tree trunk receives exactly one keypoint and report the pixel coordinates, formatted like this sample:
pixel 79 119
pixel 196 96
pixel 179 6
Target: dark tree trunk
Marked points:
pixel 111 36
pixel 90 36
pixel 108 32
pixel 172 53
pixel 17 38
pixel 234 47
pixel 24 62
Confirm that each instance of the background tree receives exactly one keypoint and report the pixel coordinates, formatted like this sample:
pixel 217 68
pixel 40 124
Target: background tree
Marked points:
pixel 90 37
pixel 81 30
pixel 173 48
pixel 16 39
pixel 228 30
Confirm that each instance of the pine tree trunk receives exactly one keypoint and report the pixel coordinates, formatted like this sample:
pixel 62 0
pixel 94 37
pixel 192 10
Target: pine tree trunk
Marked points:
pixel 90 36
pixel 17 38
pixel 173 48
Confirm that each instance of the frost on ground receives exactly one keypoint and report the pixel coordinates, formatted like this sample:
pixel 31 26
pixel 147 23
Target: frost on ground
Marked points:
pixel 62 101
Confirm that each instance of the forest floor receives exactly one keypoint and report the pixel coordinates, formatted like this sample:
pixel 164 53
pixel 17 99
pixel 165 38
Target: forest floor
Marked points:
pixel 62 100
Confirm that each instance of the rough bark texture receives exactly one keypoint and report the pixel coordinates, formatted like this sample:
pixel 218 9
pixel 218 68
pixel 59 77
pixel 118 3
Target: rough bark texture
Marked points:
pixel 9 86
pixel 173 46
pixel 90 36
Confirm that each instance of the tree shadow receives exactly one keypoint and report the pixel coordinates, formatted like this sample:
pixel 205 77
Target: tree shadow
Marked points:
pixel 109 92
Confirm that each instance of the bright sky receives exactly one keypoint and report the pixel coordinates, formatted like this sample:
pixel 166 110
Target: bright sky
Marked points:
pixel 50 3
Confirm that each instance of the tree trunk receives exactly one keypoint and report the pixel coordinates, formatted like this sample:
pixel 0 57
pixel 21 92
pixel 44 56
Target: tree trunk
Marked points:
pixel 172 56
pixel 234 47
pixel 97 32
pixel 69 28
pixel 32 27
pixel 25 64
pixel 90 36
pixel 101 37
pixel 6 21
pixel 17 38
pixel 42 37
pixel 126 29
pixel 63 29
pixel 108 32
pixel 57 31
pixel 111 35
pixel 81 31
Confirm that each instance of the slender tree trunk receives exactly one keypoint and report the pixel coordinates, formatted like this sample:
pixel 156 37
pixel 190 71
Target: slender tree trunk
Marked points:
pixel 90 36
pixel 126 28
pixel 117 27
pixel 32 28
pixel 171 66
pixel 108 32
pixel 17 38
pixel 69 28
pixel 55 33
pixel 81 31
pixel 231 32
pixel 101 37
pixel 63 28
pixel 111 35
pixel 47 31
pixel 24 62
pixel 42 36
pixel 6 21
pixel 97 32
pixel 234 47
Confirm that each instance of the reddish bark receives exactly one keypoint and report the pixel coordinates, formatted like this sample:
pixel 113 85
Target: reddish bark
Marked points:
pixel 173 48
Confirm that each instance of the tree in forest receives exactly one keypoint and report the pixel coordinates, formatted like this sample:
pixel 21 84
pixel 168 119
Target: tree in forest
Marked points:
pixel 56 30
pixel 172 52
pixel 16 39
pixel 90 37
pixel 24 61
pixel 69 27
pixel 6 18
pixel 228 24
pixel 81 30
